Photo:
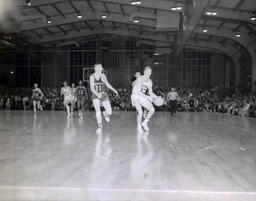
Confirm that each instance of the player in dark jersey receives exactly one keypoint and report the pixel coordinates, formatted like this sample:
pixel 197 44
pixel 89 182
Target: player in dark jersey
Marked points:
pixel 37 96
pixel 98 85
pixel 81 96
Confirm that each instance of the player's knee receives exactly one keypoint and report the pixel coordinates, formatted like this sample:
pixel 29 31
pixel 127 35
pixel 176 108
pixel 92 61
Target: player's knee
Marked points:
pixel 109 111
pixel 152 110
pixel 98 111
pixel 140 113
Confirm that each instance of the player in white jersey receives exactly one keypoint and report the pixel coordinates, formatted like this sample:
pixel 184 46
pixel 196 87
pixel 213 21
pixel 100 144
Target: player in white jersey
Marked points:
pixel 98 85
pixel 142 97
pixel 137 75
pixel 68 98
pixel 81 96
pixel 73 93
pixel 37 96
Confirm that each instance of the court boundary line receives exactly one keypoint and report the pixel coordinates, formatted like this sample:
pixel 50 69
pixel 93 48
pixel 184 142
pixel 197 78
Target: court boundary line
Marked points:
pixel 128 190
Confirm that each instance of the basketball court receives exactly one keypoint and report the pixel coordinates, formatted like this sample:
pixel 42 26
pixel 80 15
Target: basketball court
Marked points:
pixel 191 156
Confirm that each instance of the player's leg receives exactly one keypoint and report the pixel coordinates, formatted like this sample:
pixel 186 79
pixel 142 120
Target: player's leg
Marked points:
pixel 150 108
pixel 72 105
pixel 66 103
pixel 82 106
pixel 108 109
pixel 39 106
pixel 79 106
pixel 34 107
pixel 138 107
pixel 96 105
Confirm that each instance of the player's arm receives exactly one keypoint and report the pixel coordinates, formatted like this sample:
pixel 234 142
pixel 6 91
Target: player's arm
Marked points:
pixel 108 85
pixel 150 91
pixel 61 92
pixel 92 86
pixel 86 94
pixel 168 96
pixel 42 94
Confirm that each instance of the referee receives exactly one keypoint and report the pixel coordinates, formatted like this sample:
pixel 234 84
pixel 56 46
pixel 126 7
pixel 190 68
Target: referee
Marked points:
pixel 172 97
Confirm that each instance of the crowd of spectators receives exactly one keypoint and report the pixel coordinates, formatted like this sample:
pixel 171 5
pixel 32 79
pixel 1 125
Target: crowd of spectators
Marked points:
pixel 190 100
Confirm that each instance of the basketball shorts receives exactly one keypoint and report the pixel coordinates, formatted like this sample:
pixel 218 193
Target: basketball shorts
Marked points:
pixel 140 99
pixel 69 99
pixel 36 99
pixel 80 98
pixel 104 97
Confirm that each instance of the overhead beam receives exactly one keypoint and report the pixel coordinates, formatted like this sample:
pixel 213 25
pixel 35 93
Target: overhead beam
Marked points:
pixel 122 10
pixel 48 31
pixel 229 19
pixel 239 4
pixel 102 24
pixel 58 10
pixel 88 25
pixel 73 6
pixel 106 7
pixel 85 32
pixel 221 25
pixel 195 15
pixel 217 3
pixel 35 33
pixel 90 5
pixel 60 28
pixel 75 27
pixel 41 12
pixel 127 23
pixel 210 38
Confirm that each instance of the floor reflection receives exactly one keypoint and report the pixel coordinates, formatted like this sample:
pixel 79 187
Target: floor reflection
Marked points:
pixel 141 167
pixel 69 132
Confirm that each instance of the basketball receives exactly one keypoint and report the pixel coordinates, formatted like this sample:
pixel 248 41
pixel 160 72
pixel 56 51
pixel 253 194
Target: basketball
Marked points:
pixel 158 101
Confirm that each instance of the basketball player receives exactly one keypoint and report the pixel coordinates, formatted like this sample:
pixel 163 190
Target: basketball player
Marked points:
pixel 172 97
pixel 73 93
pixel 37 96
pixel 68 98
pixel 136 76
pixel 98 84
pixel 81 96
pixel 142 97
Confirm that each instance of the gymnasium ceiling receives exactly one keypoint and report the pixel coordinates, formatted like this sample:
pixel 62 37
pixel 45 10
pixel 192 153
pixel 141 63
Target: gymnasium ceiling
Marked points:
pixel 208 23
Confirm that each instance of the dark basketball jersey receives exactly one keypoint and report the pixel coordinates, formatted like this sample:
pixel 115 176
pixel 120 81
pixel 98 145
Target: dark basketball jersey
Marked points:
pixel 99 86
pixel 80 90
pixel 36 93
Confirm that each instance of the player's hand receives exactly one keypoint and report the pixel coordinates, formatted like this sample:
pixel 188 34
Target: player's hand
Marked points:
pixel 117 95
pixel 151 98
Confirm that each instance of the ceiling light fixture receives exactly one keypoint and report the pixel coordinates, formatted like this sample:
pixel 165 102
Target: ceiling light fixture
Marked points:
pixel 174 8
pixel 253 17
pixel 214 12
pixel 104 16
pixel 49 21
pixel 205 30
pixel 211 12
pixel 237 34
pixel 136 2
pixel 178 6
pixel 28 2
pixel 79 16
pixel 208 12
pixel 136 20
